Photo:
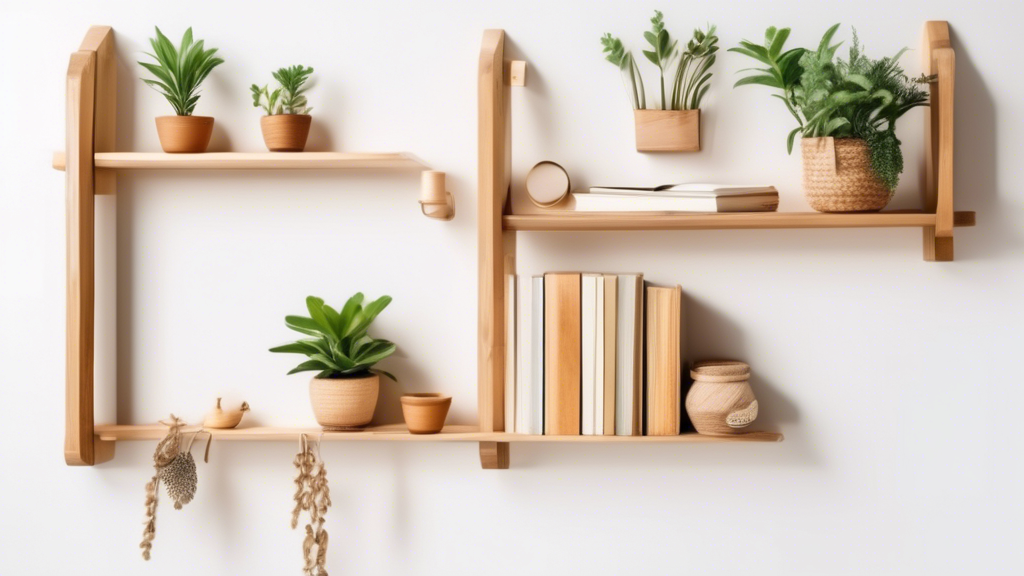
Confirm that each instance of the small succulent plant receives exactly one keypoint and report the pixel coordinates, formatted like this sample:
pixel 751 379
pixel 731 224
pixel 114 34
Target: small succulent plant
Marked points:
pixel 289 97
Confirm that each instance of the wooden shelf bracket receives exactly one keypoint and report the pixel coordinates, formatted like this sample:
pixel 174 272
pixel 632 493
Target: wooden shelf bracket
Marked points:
pixel 937 187
pixel 91 89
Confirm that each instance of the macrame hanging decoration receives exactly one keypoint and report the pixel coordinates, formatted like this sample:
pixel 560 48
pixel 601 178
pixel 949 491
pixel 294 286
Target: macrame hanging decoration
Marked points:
pixel 177 470
pixel 313 496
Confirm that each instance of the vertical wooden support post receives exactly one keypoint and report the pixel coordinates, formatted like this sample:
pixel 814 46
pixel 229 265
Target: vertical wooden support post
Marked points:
pixel 938 189
pixel 80 445
pixel 496 246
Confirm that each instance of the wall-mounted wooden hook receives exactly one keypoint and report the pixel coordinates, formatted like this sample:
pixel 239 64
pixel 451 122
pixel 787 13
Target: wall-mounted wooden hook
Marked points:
pixel 435 199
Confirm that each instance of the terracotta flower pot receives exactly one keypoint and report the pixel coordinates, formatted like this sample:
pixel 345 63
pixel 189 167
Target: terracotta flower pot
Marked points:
pixel 184 134
pixel 720 402
pixel 838 176
pixel 344 403
pixel 667 130
pixel 425 413
pixel 286 132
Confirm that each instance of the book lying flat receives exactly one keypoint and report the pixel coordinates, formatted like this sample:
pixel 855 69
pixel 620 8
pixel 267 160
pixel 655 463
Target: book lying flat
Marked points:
pixel 746 202
pixel 688 189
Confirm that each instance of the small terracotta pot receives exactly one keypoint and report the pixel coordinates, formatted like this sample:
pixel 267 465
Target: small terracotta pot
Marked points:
pixel 184 134
pixel 425 413
pixel 838 176
pixel 344 403
pixel 286 132
pixel 720 402
pixel 667 130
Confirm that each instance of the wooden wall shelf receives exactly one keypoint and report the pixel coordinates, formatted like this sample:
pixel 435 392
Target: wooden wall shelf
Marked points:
pixel 251 161
pixel 399 433
pixel 726 221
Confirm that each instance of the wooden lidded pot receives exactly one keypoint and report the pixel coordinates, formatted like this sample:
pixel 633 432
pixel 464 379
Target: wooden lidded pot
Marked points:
pixel 286 132
pixel 425 413
pixel 184 134
pixel 720 402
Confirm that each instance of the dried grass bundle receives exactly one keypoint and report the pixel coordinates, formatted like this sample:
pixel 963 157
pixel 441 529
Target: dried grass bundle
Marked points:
pixel 166 451
pixel 313 496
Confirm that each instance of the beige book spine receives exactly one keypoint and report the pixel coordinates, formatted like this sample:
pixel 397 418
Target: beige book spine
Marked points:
pixel 664 365
pixel 611 314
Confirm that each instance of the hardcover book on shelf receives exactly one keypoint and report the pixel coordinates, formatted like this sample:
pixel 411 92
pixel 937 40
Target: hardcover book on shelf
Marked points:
pixel 530 355
pixel 629 355
pixel 663 370
pixel 510 353
pixel 754 202
pixel 562 329
pixel 589 353
pixel 610 312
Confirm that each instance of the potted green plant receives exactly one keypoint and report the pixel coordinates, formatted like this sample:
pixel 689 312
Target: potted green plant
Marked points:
pixel 179 72
pixel 344 391
pixel 675 125
pixel 846 111
pixel 286 123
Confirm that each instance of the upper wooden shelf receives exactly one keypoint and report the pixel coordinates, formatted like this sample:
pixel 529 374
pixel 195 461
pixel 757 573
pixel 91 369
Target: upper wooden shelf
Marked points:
pixel 738 220
pixel 251 161
pixel 398 432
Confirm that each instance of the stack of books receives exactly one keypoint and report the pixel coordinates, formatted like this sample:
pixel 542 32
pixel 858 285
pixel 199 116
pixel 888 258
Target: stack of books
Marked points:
pixel 679 198
pixel 593 354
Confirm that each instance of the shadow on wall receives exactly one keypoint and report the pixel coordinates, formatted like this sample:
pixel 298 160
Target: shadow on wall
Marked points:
pixel 974 166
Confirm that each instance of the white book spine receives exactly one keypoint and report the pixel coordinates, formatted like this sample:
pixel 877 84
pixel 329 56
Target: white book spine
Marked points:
pixel 599 352
pixel 537 384
pixel 510 355
pixel 588 343
pixel 524 353
pixel 624 203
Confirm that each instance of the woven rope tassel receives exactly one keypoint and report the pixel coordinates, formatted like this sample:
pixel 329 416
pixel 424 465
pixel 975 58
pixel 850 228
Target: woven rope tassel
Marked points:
pixel 838 176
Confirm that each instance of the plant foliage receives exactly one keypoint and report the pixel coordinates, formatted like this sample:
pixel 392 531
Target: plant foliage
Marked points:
pixel 854 98
pixel 340 346
pixel 180 71
pixel 289 97
pixel 692 74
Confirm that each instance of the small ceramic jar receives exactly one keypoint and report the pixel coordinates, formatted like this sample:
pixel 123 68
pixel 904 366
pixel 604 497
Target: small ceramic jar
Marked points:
pixel 720 402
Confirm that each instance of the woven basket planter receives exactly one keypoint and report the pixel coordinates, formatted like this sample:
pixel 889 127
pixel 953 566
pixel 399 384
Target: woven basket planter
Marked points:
pixel 838 176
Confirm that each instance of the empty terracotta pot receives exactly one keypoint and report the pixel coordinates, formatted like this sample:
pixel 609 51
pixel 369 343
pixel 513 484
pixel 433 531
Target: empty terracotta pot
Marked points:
pixel 425 413
pixel 184 134
pixel 286 132
pixel 344 403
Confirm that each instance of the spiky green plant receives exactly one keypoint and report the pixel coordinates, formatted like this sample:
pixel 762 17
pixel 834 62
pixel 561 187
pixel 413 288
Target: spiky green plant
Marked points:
pixel 616 53
pixel 692 75
pixel 289 97
pixel 340 346
pixel 663 50
pixel 856 98
pixel 180 71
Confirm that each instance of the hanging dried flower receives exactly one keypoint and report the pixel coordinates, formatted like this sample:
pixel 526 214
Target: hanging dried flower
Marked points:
pixel 166 451
pixel 313 496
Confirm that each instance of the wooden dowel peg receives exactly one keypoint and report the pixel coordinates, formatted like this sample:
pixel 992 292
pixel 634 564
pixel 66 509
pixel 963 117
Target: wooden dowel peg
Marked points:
pixel 435 200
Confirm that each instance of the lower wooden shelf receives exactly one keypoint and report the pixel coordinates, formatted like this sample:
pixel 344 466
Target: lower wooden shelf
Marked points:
pixel 399 433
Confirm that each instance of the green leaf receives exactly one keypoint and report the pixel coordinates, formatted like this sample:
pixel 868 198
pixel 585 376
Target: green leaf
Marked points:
pixel 303 325
pixel 651 56
pixel 316 311
pixel 859 80
pixel 760 79
pixel 307 366
pixel 834 124
pixel 777 43
pixel 791 138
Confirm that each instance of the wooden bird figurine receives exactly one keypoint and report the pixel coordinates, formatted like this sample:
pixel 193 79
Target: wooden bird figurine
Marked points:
pixel 225 418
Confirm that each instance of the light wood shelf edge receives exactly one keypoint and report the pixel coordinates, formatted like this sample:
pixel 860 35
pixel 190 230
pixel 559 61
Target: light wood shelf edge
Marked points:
pixel 725 221
pixel 399 433
pixel 252 161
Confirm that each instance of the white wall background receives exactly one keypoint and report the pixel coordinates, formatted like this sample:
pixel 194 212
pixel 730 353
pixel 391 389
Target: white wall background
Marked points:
pixel 892 378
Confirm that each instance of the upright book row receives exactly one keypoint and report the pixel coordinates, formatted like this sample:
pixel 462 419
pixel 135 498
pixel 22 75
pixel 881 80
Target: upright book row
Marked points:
pixel 593 354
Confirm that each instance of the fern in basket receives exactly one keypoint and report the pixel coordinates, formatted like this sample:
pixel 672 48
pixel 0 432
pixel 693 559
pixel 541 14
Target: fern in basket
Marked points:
pixel 180 71
pixel 339 346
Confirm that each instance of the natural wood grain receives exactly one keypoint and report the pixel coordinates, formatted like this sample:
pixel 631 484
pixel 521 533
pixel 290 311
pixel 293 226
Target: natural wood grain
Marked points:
pixel 667 130
pixel 399 433
pixel 493 243
pixel 723 221
pixel 939 59
pixel 253 161
pixel 516 72
pixel 100 39
pixel 78 434
pixel 663 367
pixel 494 455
